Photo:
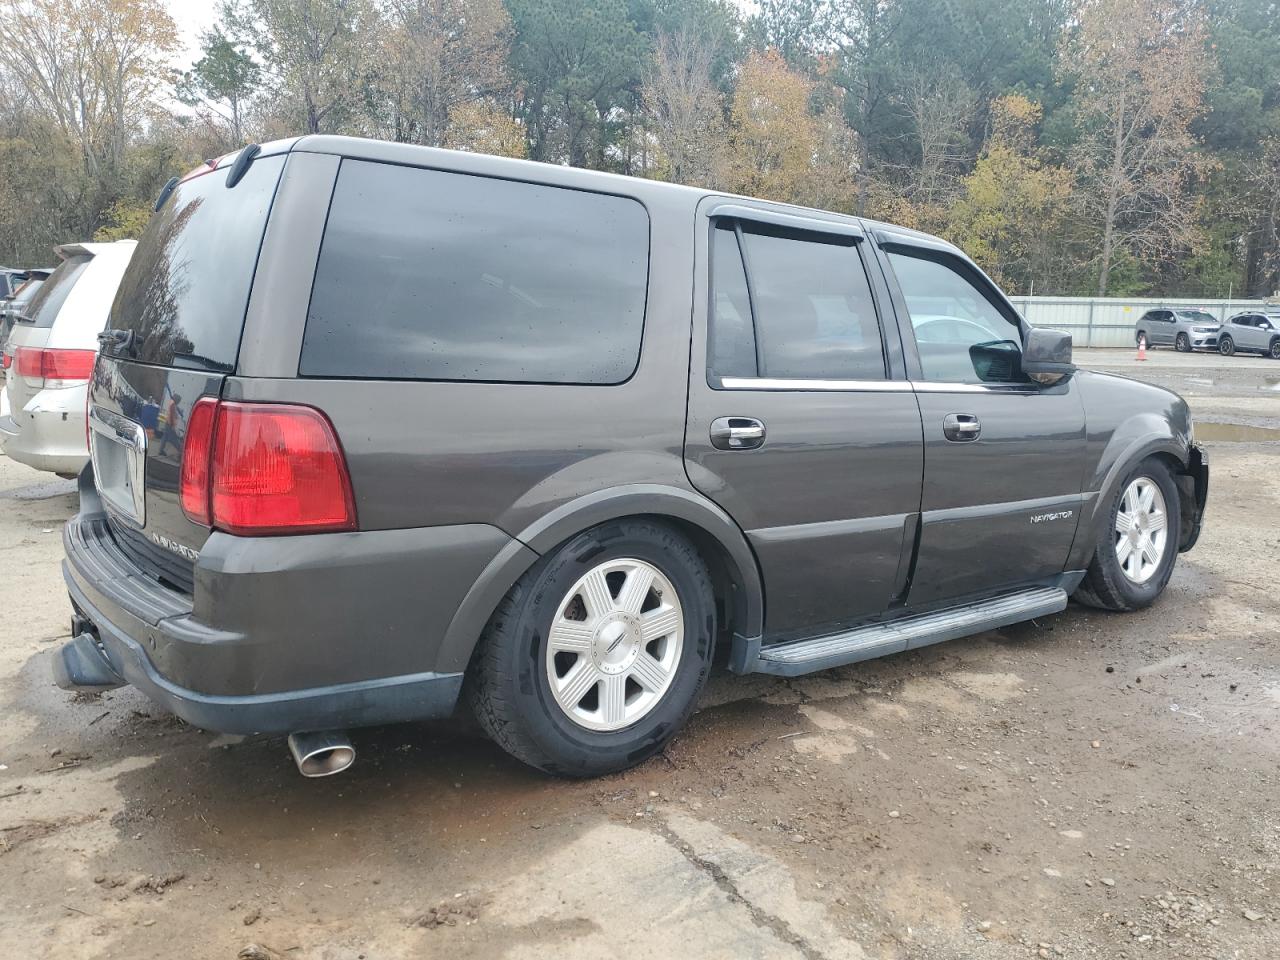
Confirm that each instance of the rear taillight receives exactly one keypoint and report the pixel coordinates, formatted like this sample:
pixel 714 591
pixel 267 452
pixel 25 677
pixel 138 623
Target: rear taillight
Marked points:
pixel 7 360
pixel 193 486
pixel 49 368
pixel 263 468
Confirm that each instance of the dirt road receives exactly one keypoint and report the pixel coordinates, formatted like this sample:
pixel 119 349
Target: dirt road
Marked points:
pixel 1085 785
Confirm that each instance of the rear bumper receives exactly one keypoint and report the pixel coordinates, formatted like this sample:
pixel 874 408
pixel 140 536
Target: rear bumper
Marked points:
pixel 48 433
pixel 103 655
pixel 284 633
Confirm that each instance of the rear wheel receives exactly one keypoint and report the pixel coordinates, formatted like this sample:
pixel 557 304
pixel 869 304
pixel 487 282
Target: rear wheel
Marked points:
pixel 595 659
pixel 1138 545
pixel 1183 343
pixel 1226 346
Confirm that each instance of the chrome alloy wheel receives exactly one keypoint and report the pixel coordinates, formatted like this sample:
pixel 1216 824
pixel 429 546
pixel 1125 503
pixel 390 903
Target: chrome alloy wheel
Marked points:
pixel 614 644
pixel 1142 530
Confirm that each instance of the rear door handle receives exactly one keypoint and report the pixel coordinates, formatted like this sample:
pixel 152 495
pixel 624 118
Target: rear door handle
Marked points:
pixel 961 427
pixel 736 433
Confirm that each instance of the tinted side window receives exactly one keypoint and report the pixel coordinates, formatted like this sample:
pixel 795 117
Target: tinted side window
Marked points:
pixel 48 300
pixel 812 313
pixel 426 275
pixel 962 336
pixel 732 351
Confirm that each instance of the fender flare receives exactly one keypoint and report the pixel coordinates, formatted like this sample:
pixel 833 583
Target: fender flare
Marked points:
pixel 1135 451
pixel 590 510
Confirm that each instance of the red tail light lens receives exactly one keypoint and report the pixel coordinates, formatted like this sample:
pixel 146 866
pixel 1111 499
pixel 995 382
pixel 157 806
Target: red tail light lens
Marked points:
pixel 7 360
pixel 48 367
pixel 262 468
pixel 193 486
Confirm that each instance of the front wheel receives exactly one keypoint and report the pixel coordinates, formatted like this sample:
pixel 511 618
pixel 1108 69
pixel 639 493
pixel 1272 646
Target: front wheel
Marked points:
pixel 595 659
pixel 1275 349
pixel 1226 346
pixel 1182 344
pixel 1138 544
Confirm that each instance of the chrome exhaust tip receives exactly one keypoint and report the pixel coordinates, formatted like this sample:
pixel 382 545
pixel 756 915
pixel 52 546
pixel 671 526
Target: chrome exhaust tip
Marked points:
pixel 321 754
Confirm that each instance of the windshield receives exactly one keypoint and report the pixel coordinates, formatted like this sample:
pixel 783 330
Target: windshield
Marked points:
pixel 1197 316
pixel 48 300
pixel 187 287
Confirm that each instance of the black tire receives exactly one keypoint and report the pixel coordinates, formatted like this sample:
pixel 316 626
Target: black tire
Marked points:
pixel 1226 346
pixel 1182 343
pixel 1105 585
pixel 507 684
pixel 1274 351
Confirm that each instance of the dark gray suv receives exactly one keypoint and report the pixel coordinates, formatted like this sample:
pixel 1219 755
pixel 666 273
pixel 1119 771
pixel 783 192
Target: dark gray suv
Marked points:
pixel 378 428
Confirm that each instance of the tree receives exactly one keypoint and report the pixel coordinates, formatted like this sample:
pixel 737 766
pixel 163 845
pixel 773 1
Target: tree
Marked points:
pixel 441 55
pixel 224 74
pixel 1011 214
pixel 482 127
pixel 780 150
pixel 578 64
pixel 315 51
pixel 91 66
pixel 1139 68
pixel 685 109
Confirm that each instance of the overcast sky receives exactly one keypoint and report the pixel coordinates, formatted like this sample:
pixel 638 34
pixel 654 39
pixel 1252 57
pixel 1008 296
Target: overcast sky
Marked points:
pixel 193 17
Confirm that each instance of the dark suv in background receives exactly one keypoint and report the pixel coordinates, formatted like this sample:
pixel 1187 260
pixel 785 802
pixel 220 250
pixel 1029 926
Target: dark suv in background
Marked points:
pixel 377 427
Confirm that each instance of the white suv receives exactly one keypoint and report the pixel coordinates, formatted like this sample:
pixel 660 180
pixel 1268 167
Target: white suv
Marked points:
pixel 49 357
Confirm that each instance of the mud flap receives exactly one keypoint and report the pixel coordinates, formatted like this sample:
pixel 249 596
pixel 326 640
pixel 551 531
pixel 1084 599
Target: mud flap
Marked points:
pixel 1193 488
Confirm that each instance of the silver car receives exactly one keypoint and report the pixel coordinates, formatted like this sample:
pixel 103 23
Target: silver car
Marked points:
pixel 1255 332
pixel 1186 330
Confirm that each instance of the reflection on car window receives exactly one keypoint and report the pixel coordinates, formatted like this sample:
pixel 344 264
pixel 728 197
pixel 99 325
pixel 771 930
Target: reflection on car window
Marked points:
pixel 961 336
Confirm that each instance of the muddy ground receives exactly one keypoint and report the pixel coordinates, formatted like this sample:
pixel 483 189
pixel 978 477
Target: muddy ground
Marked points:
pixel 1084 785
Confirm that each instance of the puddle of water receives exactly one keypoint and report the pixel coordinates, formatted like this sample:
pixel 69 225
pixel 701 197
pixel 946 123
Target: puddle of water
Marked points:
pixel 1236 433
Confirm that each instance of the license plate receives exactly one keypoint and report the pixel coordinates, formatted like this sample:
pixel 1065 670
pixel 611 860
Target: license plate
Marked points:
pixel 118 449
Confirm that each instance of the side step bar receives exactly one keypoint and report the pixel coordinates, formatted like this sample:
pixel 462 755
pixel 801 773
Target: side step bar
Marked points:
pixel 878 639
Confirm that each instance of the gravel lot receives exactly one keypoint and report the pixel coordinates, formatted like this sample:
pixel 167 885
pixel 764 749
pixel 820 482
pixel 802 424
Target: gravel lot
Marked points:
pixel 1084 785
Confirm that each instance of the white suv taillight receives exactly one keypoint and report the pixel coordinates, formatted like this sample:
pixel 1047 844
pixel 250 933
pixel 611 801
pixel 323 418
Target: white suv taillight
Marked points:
pixel 48 368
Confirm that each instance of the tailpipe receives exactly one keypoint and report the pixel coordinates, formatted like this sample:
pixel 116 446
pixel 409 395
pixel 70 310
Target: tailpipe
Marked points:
pixel 321 754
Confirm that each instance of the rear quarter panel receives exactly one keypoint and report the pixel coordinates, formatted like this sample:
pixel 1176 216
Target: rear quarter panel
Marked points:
pixel 427 453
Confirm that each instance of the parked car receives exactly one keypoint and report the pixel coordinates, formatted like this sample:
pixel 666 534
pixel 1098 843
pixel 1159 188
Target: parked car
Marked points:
pixel 11 278
pixel 49 356
pixel 1253 332
pixel 1185 330
pixel 441 426
pixel 18 304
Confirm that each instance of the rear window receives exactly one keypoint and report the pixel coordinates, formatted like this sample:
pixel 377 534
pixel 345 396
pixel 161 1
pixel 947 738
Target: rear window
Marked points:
pixel 48 300
pixel 187 287
pixel 426 275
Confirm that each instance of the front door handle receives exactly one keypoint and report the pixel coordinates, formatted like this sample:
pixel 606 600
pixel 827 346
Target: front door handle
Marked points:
pixel 961 427
pixel 736 433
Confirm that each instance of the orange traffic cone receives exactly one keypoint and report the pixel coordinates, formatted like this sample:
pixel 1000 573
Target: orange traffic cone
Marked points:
pixel 1142 348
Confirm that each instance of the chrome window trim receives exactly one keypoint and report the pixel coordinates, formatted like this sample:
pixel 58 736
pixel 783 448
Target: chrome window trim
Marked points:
pixel 871 386
pixel 849 386
pixel 931 386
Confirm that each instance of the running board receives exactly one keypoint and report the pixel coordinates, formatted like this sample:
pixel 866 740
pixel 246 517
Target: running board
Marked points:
pixel 878 639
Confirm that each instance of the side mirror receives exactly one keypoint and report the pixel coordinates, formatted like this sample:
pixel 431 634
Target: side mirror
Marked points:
pixel 1046 356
